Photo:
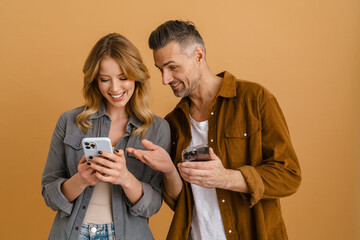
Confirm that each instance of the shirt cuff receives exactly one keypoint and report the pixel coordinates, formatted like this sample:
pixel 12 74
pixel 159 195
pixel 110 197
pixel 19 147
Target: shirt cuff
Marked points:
pixel 142 206
pixel 254 183
pixel 57 198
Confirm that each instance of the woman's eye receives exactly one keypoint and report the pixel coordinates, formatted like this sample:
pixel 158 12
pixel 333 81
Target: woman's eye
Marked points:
pixel 123 79
pixel 104 80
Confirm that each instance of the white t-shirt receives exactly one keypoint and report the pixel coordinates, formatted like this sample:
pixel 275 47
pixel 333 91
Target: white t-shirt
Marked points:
pixel 206 220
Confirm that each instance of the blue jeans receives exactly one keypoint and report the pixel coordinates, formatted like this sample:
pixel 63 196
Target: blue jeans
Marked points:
pixel 97 232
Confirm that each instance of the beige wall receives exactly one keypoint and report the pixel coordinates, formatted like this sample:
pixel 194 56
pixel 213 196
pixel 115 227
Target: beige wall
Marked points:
pixel 306 52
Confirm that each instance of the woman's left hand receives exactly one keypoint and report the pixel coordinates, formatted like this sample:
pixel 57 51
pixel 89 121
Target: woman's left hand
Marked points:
pixel 111 167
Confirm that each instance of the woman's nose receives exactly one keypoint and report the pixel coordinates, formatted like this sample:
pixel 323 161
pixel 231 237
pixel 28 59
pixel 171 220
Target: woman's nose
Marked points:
pixel 115 85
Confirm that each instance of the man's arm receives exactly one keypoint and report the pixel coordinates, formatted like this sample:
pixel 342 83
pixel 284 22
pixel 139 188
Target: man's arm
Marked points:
pixel 158 159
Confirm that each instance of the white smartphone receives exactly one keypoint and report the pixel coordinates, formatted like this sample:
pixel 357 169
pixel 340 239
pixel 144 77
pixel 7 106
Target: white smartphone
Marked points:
pixel 92 146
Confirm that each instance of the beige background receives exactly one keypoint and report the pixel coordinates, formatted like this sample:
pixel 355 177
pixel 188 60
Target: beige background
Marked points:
pixel 306 52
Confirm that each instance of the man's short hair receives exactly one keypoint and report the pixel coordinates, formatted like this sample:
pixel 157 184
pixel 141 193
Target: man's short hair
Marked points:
pixel 183 32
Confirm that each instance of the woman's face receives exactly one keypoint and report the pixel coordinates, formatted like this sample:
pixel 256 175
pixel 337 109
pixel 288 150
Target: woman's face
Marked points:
pixel 113 84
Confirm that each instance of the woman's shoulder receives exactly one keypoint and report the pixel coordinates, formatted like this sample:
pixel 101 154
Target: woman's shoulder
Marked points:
pixel 71 114
pixel 69 117
pixel 159 121
pixel 159 125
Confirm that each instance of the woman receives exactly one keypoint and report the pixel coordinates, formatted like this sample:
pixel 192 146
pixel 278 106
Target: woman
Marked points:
pixel 113 195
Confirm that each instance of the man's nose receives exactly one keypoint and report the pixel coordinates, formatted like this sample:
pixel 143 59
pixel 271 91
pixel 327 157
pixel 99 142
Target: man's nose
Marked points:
pixel 166 77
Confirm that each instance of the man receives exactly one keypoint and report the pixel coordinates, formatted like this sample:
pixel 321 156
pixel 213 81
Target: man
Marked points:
pixel 234 195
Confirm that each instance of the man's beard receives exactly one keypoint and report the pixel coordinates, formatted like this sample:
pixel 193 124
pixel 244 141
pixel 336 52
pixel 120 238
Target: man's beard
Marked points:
pixel 194 83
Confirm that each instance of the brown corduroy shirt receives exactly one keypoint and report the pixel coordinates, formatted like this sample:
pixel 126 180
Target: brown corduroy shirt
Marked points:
pixel 248 132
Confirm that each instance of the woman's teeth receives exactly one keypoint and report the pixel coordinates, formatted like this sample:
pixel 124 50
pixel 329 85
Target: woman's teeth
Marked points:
pixel 117 96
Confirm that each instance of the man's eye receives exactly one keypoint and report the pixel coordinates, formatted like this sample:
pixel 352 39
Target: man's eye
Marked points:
pixel 173 67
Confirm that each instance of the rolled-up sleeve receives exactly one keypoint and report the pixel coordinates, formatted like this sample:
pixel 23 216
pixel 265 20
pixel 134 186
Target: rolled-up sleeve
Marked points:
pixel 151 200
pixel 279 174
pixel 149 203
pixel 55 172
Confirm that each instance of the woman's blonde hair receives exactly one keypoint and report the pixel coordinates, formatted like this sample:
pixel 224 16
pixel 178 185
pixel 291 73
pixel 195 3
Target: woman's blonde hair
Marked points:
pixel 126 54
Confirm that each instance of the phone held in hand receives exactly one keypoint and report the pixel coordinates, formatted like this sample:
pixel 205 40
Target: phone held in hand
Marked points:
pixel 92 146
pixel 197 153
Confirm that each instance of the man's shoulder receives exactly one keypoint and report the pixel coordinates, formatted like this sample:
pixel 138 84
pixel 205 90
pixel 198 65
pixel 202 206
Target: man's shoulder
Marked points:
pixel 249 90
pixel 234 87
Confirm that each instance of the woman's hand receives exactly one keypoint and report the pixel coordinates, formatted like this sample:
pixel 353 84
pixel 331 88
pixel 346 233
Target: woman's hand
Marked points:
pixel 75 185
pixel 110 167
pixel 86 173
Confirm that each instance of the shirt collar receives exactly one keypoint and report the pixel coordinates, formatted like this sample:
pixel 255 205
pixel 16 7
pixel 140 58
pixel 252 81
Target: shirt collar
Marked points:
pixel 101 112
pixel 228 86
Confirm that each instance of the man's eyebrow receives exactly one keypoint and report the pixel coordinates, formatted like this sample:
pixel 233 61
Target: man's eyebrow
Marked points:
pixel 165 64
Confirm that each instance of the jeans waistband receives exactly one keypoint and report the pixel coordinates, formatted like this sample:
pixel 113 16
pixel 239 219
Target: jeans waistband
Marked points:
pixel 98 231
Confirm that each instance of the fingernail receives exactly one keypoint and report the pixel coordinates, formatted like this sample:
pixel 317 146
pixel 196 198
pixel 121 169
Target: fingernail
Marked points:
pixel 91 157
pixel 88 163
pixel 100 152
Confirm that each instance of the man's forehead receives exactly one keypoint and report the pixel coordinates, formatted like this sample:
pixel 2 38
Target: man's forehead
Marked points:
pixel 170 52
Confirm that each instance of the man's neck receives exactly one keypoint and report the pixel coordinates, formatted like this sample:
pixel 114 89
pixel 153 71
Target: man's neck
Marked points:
pixel 203 96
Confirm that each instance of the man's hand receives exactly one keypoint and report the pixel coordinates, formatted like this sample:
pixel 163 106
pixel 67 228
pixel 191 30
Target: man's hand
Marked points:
pixel 212 174
pixel 156 157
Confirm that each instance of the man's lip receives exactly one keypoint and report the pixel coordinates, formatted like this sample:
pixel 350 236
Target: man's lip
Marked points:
pixel 174 85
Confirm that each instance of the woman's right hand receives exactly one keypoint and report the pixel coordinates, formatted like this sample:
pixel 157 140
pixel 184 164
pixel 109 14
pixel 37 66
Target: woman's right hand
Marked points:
pixel 86 173
pixel 75 185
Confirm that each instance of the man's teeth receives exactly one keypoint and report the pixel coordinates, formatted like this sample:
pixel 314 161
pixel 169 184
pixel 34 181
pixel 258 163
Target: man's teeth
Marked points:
pixel 175 84
pixel 117 96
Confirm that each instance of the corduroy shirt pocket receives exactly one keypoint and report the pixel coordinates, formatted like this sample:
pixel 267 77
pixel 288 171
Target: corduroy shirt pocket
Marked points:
pixel 239 139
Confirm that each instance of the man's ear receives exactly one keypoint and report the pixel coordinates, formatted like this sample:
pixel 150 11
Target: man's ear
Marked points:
pixel 199 54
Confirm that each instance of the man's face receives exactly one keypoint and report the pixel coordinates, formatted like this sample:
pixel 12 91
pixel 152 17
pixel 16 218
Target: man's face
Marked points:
pixel 178 70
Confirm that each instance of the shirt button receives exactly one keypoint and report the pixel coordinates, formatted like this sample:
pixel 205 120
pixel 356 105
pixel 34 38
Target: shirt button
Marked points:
pixel 245 134
pixel 173 143
pixel 83 207
pixel 78 145
pixel 211 140
pixel 212 113
pixel 230 231
pixel 223 200
pixel 93 230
